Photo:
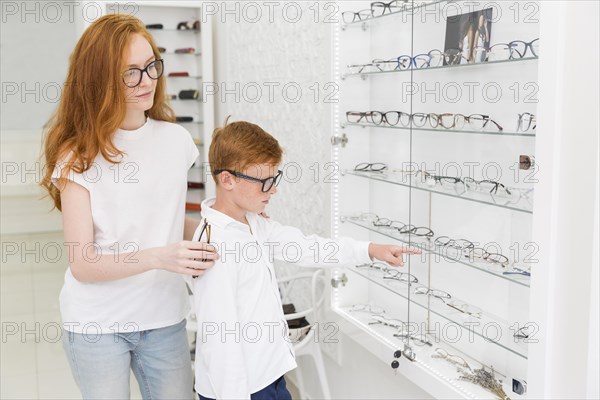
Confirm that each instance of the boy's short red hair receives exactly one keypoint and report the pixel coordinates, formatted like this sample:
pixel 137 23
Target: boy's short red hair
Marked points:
pixel 239 145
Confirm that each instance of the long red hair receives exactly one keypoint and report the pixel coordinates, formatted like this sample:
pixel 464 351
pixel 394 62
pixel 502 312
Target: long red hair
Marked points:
pixel 93 103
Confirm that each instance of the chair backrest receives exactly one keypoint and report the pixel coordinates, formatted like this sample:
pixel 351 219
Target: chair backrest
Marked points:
pixel 314 280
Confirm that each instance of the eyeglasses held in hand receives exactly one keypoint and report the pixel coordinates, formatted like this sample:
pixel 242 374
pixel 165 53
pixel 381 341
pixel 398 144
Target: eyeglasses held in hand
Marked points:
pixel 267 183
pixel 133 76
pixel 205 228
pixel 370 167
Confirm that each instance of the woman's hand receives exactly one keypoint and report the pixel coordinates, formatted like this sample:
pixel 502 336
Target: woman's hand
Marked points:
pixel 185 257
pixel 391 254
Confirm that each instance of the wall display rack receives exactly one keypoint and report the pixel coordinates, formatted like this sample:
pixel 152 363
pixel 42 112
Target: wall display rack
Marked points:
pixel 434 136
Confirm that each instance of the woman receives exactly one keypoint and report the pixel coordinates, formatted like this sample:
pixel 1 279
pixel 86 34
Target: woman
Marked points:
pixel 117 169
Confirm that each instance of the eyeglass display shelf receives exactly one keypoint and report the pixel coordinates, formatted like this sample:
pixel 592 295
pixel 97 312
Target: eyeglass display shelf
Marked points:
pixel 428 303
pixel 500 133
pixel 429 248
pixel 375 73
pixel 520 205
pixel 425 364
pixel 402 10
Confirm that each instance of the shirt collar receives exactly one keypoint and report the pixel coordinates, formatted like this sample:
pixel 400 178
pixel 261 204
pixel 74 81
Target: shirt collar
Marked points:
pixel 219 219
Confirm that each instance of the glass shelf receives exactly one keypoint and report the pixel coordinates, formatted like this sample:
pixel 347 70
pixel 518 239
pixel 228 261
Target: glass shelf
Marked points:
pixel 440 367
pixel 503 133
pixel 439 308
pixel 403 10
pixel 427 247
pixel 522 203
pixel 364 74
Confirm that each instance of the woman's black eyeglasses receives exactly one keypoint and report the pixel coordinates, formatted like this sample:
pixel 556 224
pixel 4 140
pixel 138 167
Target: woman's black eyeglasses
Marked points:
pixel 267 183
pixel 133 76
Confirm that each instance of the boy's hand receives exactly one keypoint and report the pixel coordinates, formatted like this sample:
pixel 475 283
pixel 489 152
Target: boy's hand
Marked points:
pixel 391 254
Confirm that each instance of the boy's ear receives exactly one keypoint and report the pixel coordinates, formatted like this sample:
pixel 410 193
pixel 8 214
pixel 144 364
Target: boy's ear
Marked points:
pixel 225 180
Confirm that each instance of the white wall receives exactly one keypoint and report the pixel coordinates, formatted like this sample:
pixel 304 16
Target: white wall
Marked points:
pixel 36 39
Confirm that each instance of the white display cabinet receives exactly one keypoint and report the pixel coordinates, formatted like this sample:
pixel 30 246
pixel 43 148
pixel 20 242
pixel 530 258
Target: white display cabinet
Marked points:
pixel 462 194
pixel 198 64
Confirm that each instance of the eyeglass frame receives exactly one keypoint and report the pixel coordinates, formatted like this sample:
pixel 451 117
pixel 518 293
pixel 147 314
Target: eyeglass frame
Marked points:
pixel 162 65
pixel 275 179
pixel 367 308
pixel 357 13
pixel 388 6
pixel 444 355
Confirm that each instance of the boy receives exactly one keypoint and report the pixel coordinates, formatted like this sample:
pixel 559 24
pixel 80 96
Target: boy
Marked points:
pixel 242 348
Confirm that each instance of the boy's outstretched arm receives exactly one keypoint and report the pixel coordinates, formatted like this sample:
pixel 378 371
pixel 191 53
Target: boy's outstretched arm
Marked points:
pixel 291 245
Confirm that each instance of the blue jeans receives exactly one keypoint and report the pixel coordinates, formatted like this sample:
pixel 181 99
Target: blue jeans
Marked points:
pixel 160 360
pixel 275 391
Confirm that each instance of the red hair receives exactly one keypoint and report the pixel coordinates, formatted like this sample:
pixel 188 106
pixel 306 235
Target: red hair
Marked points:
pixel 93 103
pixel 239 145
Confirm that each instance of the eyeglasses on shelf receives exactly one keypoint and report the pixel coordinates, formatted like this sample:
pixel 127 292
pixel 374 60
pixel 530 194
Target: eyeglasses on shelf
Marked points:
pixel 451 358
pixel 349 16
pixel 391 322
pixel 390 273
pixel 526 122
pixel 447 299
pixel 372 309
pixel 475 122
pixel 419 339
pixel 380 8
pixel 403 228
pixel 371 167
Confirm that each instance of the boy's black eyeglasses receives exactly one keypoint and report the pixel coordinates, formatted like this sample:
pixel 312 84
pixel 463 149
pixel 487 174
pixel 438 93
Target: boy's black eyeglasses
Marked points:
pixel 133 76
pixel 267 183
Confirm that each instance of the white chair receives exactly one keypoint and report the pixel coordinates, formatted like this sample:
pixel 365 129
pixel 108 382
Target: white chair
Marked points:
pixel 306 344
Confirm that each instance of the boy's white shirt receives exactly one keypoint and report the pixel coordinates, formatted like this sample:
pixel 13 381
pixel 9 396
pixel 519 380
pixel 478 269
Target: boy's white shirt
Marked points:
pixel 242 342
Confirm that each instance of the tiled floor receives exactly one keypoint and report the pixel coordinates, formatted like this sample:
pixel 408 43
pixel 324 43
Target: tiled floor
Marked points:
pixel 33 364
